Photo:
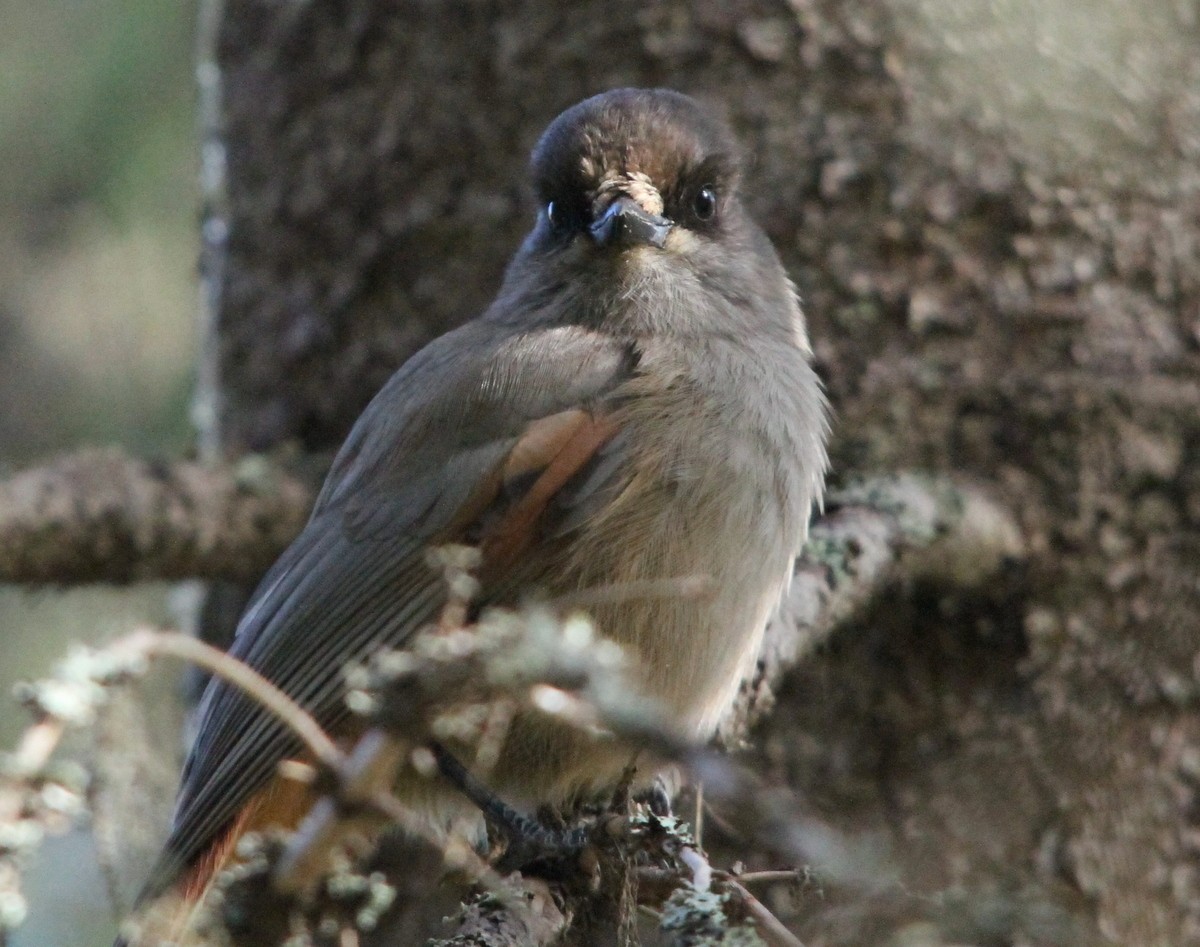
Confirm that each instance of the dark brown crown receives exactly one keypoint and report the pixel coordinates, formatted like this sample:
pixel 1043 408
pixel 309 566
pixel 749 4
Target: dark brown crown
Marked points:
pixel 665 135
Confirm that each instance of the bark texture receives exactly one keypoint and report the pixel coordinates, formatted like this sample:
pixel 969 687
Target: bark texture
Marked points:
pixel 998 259
pixel 100 516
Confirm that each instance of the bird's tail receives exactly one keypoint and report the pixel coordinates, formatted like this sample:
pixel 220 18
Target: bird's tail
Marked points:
pixel 168 909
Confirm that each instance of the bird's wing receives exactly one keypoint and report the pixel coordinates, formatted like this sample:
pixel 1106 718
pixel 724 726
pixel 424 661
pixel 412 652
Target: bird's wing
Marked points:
pixel 473 439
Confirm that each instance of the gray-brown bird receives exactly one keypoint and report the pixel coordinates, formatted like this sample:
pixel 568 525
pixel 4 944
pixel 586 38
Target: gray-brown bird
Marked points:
pixel 637 404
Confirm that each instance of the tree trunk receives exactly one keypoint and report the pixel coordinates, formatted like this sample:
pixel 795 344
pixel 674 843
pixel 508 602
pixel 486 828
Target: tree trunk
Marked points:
pixel 992 217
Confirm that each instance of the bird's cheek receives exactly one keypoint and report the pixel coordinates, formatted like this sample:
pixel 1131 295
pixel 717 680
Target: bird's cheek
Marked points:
pixel 570 254
pixel 681 242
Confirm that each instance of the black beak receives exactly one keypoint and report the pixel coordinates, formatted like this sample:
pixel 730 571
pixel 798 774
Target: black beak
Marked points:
pixel 627 224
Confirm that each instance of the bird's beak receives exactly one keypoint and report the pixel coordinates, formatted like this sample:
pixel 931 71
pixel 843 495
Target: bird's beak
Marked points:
pixel 625 223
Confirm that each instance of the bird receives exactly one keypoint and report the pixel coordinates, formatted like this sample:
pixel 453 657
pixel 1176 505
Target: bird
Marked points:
pixel 638 403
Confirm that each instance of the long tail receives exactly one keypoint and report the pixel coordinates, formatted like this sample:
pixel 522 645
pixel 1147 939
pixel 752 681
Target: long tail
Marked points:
pixel 167 912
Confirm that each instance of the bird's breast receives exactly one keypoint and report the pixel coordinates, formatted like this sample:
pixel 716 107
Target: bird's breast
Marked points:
pixel 715 493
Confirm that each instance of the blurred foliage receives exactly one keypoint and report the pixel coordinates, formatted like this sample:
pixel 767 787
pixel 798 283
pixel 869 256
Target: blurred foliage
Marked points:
pixel 97 313
pixel 94 102
pixel 97 210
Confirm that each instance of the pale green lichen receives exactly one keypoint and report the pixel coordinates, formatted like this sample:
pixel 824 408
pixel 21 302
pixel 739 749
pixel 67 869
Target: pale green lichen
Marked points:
pixel 924 506
pixel 693 918
pixel 79 686
pixel 13 910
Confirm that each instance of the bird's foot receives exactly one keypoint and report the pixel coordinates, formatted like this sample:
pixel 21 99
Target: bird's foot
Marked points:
pixel 529 842
pixel 532 846
pixel 656 799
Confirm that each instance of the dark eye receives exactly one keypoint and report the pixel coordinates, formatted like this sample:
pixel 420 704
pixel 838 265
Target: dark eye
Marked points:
pixel 562 218
pixel 705 204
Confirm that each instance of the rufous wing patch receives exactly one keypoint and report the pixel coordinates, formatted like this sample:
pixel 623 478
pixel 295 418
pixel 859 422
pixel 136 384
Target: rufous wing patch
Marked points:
pixel 559 446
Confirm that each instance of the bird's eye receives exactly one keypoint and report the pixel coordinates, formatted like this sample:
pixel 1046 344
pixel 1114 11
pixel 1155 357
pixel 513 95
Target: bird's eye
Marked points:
pixel 705 204
pixel 557 219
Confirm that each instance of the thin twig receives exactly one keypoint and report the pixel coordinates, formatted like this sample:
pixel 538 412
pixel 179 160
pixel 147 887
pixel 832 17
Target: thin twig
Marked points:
pixel 762 877
pixel 37 745
pixel 178 645
pixel 30 758
pixel 769 926
pixel 702 873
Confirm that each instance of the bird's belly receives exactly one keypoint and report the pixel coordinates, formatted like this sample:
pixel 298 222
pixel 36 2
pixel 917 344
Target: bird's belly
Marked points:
pixel 706 501
pixel 688 652
pixel 690 648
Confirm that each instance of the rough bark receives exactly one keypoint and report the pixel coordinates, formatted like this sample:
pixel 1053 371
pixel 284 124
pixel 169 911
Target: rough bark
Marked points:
pixel 1017 300
pixel 100 516
pixel 871 535
pixel 486 923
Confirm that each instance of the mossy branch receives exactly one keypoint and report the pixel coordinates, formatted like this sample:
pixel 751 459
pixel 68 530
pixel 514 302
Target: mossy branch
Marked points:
pixel 101 516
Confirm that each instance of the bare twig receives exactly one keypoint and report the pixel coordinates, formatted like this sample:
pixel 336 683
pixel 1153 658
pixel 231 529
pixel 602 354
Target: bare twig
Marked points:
pixel 178 645
pixel 34 800
pixel 769 926
pixel 36 747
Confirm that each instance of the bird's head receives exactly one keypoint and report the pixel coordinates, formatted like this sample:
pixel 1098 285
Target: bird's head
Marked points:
pixel 635 168
pixel 639 209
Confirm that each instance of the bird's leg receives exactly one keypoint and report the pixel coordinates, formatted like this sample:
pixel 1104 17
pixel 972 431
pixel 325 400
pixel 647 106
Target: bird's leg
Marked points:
pixel 528 840
pixel 656 798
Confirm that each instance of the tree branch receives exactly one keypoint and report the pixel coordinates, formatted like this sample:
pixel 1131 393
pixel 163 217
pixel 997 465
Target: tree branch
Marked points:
pixel 488 922
pixel 926 526
pixel 872 534
pixel 100 516
pixel 178 645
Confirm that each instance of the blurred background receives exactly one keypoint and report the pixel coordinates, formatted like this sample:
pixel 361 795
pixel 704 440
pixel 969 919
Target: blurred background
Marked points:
pixel 97 316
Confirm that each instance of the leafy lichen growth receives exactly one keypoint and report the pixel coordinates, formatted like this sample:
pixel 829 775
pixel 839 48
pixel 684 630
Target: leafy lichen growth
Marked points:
pixel 694 918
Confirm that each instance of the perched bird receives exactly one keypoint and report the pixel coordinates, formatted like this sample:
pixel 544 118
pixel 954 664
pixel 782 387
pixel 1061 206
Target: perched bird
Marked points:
pixel 637 404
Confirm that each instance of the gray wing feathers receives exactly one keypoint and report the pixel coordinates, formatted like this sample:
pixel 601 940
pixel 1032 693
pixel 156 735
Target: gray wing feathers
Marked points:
pixel 355 580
